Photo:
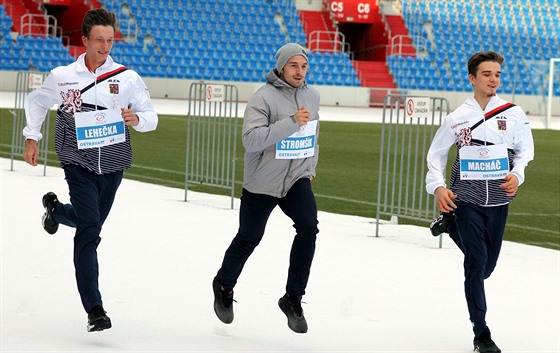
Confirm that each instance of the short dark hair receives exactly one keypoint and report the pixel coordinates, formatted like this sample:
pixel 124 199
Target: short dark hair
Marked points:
pixel 98 17
pixel 481 57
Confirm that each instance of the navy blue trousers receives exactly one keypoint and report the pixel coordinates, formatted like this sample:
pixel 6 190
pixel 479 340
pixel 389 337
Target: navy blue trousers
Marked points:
pixel 478 232
pixel 91 199
pixel 299 204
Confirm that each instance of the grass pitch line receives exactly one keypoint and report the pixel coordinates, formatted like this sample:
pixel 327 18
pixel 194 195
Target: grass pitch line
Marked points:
pixel 540 230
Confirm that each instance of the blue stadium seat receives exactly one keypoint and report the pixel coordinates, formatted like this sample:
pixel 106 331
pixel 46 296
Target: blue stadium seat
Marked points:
pixel 185 30
pixel 517 26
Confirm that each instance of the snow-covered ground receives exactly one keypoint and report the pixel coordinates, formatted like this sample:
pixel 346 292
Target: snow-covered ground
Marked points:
pixel 396 293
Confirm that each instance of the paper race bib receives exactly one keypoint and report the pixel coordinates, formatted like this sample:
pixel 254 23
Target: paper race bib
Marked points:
pixel 99 128
pixel 483 162
pixel 300 144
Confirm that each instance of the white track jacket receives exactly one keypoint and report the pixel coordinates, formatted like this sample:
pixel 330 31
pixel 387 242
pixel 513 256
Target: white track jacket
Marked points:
pixel 75 89
pixel 500 123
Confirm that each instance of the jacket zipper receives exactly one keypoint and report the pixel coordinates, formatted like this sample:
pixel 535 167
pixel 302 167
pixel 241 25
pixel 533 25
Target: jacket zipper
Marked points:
pixel 99 148
pixel 485 143
pixel 291 160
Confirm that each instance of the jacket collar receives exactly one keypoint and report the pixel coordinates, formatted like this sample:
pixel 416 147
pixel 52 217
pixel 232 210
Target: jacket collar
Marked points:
pixel 492 103
pixel 103 68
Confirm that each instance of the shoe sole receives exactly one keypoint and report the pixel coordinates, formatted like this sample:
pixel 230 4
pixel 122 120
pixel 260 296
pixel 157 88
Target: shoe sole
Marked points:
pixel 49 225
pixel 476 349
pixel 494 350
pixel 99 325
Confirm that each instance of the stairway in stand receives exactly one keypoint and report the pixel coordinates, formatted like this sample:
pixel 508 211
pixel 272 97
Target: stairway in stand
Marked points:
pixel 318 21
pixel 374 74
pixel 398 28
pixel 16 12
pixel 18 8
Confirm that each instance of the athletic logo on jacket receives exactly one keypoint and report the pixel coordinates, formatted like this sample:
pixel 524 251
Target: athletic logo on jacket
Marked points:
pixel 464 137
pixel 71 101
pixel 501 125
pixel 113 88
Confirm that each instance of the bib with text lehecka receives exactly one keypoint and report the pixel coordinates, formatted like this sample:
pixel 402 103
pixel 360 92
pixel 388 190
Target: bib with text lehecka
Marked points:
pixel 99 128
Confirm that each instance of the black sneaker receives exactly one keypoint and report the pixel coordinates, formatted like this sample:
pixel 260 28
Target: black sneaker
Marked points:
pixel 223 302
pixel 49 203
pixel 442 223
pixel 485 345
pixel 98 320
pixel 291 306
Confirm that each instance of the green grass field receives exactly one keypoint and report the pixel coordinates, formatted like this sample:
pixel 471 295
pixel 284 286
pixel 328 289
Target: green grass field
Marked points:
pixel 347 173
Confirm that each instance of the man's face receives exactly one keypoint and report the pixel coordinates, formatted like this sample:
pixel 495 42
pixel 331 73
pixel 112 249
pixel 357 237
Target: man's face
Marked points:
pixel 294 71
pixel 99 44
pixel 487 79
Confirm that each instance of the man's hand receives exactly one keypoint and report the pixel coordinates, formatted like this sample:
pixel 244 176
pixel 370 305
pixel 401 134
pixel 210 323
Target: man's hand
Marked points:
pixel 511 185
pixel 31 153
pixel 302 116
pixel 444 199
pixel 130 118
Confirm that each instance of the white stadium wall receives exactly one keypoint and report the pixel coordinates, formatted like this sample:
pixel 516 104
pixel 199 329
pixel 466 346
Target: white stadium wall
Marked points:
pixel 330 95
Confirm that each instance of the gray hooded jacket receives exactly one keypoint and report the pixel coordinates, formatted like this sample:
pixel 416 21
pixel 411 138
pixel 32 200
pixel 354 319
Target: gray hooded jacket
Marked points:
pixel 268 119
